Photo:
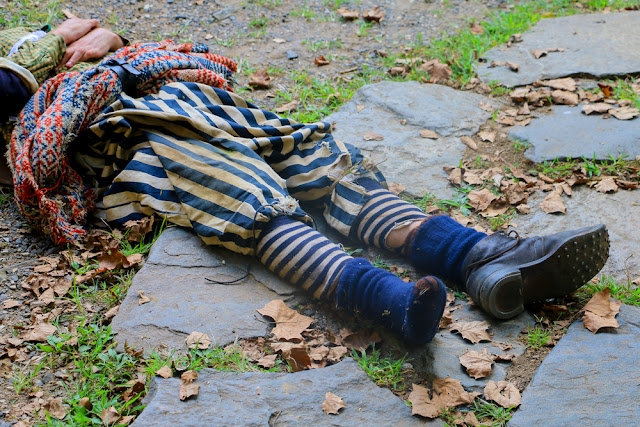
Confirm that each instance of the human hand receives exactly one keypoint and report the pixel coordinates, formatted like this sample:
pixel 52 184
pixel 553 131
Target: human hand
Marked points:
pixel 94 45
pixel 74 28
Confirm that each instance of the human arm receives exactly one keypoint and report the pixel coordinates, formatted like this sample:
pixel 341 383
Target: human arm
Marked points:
pixel 94 45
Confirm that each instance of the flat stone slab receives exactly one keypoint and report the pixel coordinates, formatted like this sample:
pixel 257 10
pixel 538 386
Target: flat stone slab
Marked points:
pixel 182 301
pixel 599 45
pixel 441 357
pixel 566 132
pixel 403 155
pixel 262 399
pixel 587 379
pixel 588 207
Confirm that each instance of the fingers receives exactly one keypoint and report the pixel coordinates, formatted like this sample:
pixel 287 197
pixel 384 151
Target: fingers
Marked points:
pixel 76 57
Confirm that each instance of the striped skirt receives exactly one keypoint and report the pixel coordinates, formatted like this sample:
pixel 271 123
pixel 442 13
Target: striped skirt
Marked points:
pixel 205 158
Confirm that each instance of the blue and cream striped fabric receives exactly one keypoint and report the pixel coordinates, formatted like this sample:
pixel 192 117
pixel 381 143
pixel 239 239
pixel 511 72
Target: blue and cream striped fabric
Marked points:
pixel 205 158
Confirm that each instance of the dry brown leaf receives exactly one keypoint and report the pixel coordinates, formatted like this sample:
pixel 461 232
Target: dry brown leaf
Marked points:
pixel 480 200
pixel 607 185
pixel 321 60
pixel 519 94
pixel 289 323
pixel 336 354
pixel 566 83
pixel 438 72
pixel 109 416
pixel 164 372
pixel 198 340
pixel 54 408
pixel 143 299
pixel 298 358
pixel 332 404
pixel 348 14
pixel 111 260
pixel 268 361
pixel 138 228
pixel 399 71
pixel 624 113
pixel 134 391
pixel 426 133
pixel 360 340
pixel 601 304
pixel 503 357
pixel 452 393
pixel 476 28
pixel 375 14
pixel 485 106
pixel 478 365
pixel 471 420
pixel 39 332
pixel 564 97
pixel 503 393
pixel 594 323
pixel 524 109
pixel 423 404
pixel 359 108
pixel 396 188
pixel 10 303
pixel 475 331
pixel 553 204
pixel 469 142
pixel 512 65
pixel 85 403
pixel 112 312
pixel 371 136
pixel 288 107
pixel 260 78
pixel 455 176
pixel 599 108
pixel 188 387
pixel 606 89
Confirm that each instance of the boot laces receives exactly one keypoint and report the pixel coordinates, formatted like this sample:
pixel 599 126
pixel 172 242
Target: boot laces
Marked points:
pixel 510 233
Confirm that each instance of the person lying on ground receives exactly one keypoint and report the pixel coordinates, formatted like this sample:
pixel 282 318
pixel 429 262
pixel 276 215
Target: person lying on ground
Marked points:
pixel 28 57
pixel 180 144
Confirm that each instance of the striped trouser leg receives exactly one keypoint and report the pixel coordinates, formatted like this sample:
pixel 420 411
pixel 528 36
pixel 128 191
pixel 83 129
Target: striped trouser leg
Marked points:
pixel 381 214
pixel 301 256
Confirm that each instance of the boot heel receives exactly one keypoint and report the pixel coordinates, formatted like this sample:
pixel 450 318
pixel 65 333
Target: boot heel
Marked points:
pixel 504 298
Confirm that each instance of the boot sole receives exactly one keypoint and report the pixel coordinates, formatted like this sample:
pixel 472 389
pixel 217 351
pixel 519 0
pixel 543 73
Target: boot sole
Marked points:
pixel 563 270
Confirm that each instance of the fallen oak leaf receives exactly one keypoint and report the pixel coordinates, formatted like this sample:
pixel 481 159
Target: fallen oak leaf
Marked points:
pixel 601 304
pixel 348 14
pixel 360 340
pixel 10 303
pixel 288 107
pixel 399 71
pixel 477 365
pixel 143 299
pixel 54 408
pixel 375 14
pixel 336 354
pixel 188 387
pixel 371 136
pixel 606 89
pixel 437 70
pixel 512 65
pixel 40 331
pixel 111 312
pixel 198 340
pixel 260 79
pixel 396 188
pixel 321 60
pixel 475 331
pixel 476 28
pixel 567 83
pixel 488 136
pixel 426 133
pixel 268 361
pixel 452 393
pixel 289 323
pixel 164 372
pixel 503 357
pixel 598 108
pixel 480 200
pixel 624 113
pixel 564 97
pixel 607 185
pixel 109 416
pixel 332 404
pixel 423 404
pixel 553 204
pixel 503 393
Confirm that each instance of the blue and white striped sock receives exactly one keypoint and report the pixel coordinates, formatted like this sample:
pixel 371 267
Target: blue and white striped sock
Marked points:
pixel 382 212
pixel 302 256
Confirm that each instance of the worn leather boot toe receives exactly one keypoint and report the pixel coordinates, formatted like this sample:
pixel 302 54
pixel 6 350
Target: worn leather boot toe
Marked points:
pixel 504 273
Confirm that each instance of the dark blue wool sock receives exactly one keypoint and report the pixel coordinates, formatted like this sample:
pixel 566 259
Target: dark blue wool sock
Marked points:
pixel 440 247
pixel 382 212
pixel 411 309
pixel 302 256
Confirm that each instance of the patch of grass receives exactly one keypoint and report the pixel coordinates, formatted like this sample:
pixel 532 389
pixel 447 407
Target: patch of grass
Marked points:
pixel 4 199
pixel 383 371
pixel 305 12
pixel 623 89
pixel 230 358
pixel 335 4
pixel 29 13
pixel 490 414
pixel 266 3
pixel 502 220
pixel 520 146
pixel 556 168
pixel 22 377
pixel 425 202
pixel 537 337
pixel 627 292
pixel 497 89
pixel 260 22
pixel 363 29
pixel 378 262
pixel 314 46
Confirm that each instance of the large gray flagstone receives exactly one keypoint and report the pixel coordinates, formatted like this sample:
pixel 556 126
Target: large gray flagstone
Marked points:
pixel 619 211
pixel 403 156
pixel 587 379
pixel 265 399
pixel 182 301
pixel 566 132
pixel 603 44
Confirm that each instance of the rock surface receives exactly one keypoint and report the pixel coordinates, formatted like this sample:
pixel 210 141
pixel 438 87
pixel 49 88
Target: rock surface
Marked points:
pixel 566 132
pixel 182 301
pixel 261 399
pixel 588 207
pixel 441 357
pixel 403 155
pixel 587 379
pixel 594 44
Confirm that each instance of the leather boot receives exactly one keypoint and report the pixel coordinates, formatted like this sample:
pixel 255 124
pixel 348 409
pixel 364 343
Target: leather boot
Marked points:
pixel 505 273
